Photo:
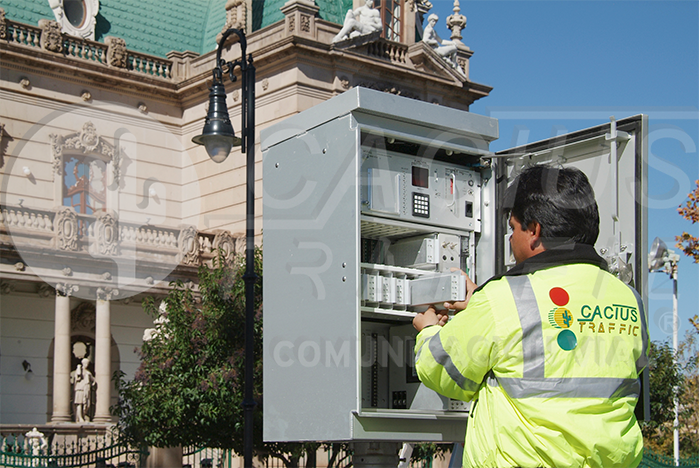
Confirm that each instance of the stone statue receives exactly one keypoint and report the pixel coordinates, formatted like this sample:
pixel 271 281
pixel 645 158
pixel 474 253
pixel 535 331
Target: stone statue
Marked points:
pixel 83 382
pixel 364 20
pixel 444 48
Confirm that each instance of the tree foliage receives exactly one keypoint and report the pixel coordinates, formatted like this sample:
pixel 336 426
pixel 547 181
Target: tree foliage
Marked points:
pixel 688 242
pixel 673 376
pixel 189 387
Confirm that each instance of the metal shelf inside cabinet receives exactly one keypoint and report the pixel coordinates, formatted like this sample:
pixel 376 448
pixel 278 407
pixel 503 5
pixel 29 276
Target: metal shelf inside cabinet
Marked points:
pixel 394 269
pixel 384 314
pixel 375 227
pixel 409 414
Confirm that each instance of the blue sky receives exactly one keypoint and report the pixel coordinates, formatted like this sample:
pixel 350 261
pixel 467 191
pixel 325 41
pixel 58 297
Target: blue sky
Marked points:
pixel 588 60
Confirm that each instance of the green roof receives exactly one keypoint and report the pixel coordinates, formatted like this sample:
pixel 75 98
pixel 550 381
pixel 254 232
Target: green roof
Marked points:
pixel 157 27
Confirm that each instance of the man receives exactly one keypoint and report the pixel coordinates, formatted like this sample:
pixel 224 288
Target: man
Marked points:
pixel 369 22
pixel 549 353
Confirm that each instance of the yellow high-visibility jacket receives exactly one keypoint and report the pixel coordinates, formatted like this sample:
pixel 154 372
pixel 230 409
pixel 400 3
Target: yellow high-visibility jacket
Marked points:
pixel 549 354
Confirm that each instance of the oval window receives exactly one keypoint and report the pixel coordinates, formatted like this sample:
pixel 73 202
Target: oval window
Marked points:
pixel 75 12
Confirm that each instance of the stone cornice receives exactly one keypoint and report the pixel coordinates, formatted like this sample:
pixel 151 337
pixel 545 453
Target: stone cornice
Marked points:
pixel 56 66
pixel 271 47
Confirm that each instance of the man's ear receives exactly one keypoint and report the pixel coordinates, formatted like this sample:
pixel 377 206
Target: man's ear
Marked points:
pixel 535 231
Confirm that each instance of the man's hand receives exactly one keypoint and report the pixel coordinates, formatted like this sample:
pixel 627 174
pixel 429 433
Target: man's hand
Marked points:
pixel 461 305
pixel 430 317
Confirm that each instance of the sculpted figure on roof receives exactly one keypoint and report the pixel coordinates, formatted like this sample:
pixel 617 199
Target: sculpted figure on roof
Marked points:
pixel 444 48
pixel 364 20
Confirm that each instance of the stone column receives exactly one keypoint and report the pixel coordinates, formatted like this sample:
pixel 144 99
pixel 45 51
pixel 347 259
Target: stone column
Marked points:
pixel 103 355
pixel 62 354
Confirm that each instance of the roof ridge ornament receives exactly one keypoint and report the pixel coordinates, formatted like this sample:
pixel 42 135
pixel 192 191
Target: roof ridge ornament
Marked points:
pixel 456 23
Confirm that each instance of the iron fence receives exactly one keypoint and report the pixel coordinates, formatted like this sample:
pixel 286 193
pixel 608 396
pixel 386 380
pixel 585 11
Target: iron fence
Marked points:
pixel 68 451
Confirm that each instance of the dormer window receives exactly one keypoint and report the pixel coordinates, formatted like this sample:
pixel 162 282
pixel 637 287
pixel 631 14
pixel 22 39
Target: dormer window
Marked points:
pixel 75 12
pixel 76 17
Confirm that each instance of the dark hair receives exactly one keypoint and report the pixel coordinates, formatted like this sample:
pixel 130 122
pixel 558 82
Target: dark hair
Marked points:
pixel 561 200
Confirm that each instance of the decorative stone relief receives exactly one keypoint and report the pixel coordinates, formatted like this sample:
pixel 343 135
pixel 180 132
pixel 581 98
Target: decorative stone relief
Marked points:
pixel 292 24
pixel 305 23
pixel 224 241
pixel 344 82
pixel 116 52
pixel 106 241
pixel 3 25
pixel 6 288
pixel 421 7
pixel 51 37
pixel 86 96
pixel 236 14
pixel 20 266
pixel 65 227
pixel 188 245
pixel 45 291
pixel 265 84
pixel 82 318
pixel 85 141
pixel 25 83
pixel 79 20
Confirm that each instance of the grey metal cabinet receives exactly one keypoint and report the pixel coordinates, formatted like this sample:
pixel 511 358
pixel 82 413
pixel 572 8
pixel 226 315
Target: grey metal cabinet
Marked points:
pixel 369 201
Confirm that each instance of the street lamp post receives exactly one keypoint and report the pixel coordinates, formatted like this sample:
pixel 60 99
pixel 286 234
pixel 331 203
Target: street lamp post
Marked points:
pixel 218 138
pixel 661 258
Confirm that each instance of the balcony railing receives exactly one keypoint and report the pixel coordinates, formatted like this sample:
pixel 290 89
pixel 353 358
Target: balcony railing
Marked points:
pixel 54 229
pixel 91 51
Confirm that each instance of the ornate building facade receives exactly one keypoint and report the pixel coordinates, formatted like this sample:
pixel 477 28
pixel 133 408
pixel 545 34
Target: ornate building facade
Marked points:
pixel 105 200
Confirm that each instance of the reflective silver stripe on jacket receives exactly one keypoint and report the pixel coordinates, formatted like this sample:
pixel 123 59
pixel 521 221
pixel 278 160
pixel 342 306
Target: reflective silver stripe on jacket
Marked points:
pixel 533 384
pixel 573 387
pixel 444 359
pixel 531 325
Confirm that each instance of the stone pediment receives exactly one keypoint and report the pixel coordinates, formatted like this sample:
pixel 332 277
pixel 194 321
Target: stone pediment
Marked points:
pixel 426 60
pixel 419 56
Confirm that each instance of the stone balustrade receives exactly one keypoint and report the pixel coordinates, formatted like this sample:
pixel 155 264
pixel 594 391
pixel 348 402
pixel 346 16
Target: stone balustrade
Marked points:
pixel 103 234
pixel 394 52
pixel 84 49
pixel 150 65
pixel 113 53
pixel 23 34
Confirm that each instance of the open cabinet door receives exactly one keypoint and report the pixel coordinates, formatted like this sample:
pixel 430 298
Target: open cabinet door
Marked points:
pixel 614 157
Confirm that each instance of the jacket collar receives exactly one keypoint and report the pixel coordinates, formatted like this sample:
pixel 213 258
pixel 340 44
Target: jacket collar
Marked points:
pixel 566 254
